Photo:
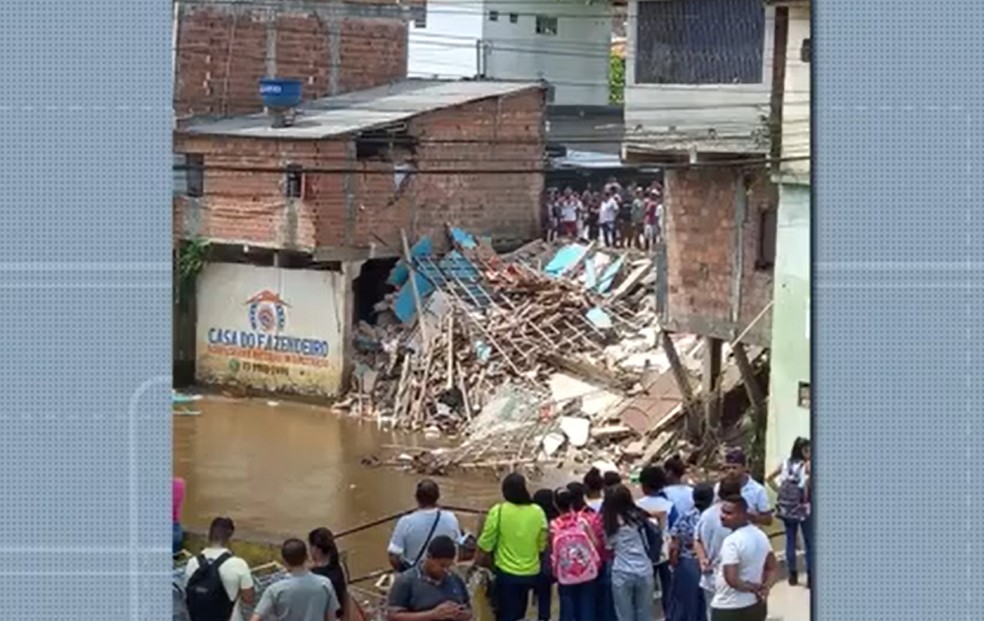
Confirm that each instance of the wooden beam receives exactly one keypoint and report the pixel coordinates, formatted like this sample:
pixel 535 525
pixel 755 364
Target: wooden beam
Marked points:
pixel 682 381
pixel 748 378
pixel 761 414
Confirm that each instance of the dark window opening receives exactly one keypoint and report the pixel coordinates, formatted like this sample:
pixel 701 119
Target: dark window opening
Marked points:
pixel 546 25
pixel 767 239
pixel 803 397
pixel 706 42
pixel 513 18
pixel 294 181
pixel 419 16
pixel 383 143
pixel 806 51
pixel 369 290
pixel 493 16
pixel 195 175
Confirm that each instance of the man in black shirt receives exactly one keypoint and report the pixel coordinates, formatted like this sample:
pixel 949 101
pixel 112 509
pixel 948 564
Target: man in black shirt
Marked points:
pixel 431 591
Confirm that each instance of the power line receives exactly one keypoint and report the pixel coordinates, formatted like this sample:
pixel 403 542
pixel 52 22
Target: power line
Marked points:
pixel 406 9
pixel 735 163
pixel 641 138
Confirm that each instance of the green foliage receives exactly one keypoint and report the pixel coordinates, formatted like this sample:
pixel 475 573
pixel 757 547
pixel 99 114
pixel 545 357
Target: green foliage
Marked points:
pixel 192 255
pixel 616 79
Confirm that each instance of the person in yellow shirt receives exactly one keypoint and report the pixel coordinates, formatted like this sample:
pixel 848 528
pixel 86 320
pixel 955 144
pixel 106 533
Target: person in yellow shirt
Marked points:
pixel 512 539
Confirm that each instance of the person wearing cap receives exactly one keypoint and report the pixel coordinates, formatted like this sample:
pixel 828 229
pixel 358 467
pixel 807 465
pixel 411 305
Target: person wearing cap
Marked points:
pixel 736 469
pixel 415 531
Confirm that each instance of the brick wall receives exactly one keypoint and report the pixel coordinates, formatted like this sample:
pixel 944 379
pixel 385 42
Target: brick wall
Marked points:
pixel 355 209
pixel 224 50
pixel 701 207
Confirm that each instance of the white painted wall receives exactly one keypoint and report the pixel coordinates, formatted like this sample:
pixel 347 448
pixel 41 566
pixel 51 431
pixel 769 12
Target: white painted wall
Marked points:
pixel 575 60
pixel 294 347
pixel 446 47
pixel 705 117
pixel 796 99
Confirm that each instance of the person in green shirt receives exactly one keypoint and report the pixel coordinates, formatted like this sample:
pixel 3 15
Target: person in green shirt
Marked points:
pixel 514 535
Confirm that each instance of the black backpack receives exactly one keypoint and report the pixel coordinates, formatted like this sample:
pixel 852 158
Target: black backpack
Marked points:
pixel 207 597
pixel 652 540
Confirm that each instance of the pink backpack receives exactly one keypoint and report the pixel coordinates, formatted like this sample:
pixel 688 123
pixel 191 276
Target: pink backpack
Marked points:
pixel 574 558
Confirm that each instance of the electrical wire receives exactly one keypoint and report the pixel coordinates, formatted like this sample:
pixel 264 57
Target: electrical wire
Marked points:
pixel 532 170
pixel 397 6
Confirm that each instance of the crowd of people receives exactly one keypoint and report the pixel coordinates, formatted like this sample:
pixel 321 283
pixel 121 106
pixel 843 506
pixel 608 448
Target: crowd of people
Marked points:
pixel 616 216
pixel 697 551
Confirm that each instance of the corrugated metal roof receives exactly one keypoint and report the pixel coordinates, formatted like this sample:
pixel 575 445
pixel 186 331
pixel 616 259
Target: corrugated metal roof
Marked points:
pixel 362 110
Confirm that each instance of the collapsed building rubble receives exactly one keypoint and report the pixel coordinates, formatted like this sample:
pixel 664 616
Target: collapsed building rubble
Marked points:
pixel 551 355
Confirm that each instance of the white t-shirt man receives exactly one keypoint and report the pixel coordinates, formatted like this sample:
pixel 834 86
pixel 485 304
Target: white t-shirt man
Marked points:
pixel 748 548
pixel 234 573
pixel 568 210
pixel 609 210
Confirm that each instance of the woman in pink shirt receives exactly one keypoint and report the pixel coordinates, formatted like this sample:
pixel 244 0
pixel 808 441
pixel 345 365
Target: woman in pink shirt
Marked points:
pixel 177 502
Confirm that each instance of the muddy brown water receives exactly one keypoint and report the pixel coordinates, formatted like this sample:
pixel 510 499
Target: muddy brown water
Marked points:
pixel 282 470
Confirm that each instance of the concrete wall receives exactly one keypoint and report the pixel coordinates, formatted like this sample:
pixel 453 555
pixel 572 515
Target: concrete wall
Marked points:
pixel 714 287
pixel 796 99
pixel 447 46
pixel 790 356
pixel 272 329
pixel 359 204
pixel 703 117
pixel 575 59
pixel 223 50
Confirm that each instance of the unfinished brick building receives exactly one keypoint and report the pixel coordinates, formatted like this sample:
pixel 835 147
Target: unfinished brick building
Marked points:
pixel 222 49
pixel 354 170
pixel 335 191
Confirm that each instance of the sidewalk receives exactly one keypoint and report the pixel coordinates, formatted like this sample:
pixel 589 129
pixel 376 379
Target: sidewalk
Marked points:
pixel 789 603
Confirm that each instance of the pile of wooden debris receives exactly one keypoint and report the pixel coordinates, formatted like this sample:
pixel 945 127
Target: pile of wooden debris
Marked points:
pixel 551 355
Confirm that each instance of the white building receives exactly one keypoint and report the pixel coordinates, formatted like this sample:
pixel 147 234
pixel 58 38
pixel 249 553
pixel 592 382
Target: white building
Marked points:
pixel 564 42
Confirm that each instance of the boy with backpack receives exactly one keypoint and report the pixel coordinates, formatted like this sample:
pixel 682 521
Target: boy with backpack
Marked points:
pixel 216 581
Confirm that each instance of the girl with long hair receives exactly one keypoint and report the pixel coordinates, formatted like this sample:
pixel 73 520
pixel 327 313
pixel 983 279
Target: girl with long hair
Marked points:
pixel 327 562
pixel 633 584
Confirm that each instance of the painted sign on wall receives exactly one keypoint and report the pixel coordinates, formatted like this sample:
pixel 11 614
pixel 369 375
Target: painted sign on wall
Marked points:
pixel 271 329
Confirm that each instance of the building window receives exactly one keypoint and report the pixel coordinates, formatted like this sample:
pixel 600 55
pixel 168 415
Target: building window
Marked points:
pixel 419 16
pixel 767 239
pixel 514 18
pixel 806 51
pixel 803 398
pixel 493 16
pixel 294 181
pixel 546 25
pixel 195 175
pixel 706 42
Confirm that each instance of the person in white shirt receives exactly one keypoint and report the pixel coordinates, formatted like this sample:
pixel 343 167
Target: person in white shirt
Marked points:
pixel 662 512
pixel 747 570
pixel 570 211
pixel 606 218
pixel 736 468
pixel 234 572
pixel 414 532
pixel 790 482
pixel 709 535
pixel 676 490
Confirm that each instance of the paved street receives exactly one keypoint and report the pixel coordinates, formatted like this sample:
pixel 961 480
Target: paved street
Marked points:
pixel 789 603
